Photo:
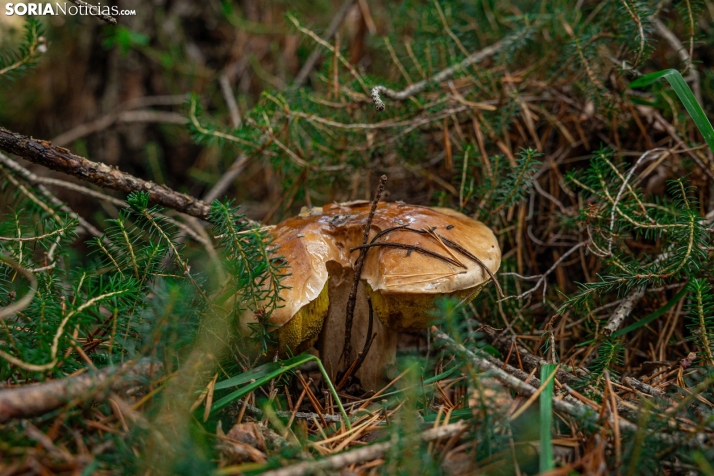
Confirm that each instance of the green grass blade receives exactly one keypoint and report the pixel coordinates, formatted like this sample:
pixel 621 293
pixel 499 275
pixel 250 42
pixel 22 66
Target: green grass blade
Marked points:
pixel 546 419
pixel 686 95
pixel 258 372
pixel 442 375
pixel 263 374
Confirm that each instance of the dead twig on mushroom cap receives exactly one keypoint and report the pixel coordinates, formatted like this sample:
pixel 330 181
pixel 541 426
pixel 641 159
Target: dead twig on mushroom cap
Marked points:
pixel 409 247
pixel 445 241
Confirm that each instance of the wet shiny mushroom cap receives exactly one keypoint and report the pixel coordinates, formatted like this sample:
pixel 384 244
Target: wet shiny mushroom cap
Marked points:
pixel 415 254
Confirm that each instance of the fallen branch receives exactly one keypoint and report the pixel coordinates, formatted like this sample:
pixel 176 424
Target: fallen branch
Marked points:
pixel 227 178
pixel 574 409
pixel 33 400
pixel 368 453
pixel 683 54
pixel 531 361
pixel 56 158
pixel 25 301
pixel 622 311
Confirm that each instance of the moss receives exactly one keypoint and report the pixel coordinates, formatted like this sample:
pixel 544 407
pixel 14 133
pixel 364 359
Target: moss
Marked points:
pixel 408 312
pixel 301 332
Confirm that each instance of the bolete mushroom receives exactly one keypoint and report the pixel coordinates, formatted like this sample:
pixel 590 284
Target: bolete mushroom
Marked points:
pixel 415 255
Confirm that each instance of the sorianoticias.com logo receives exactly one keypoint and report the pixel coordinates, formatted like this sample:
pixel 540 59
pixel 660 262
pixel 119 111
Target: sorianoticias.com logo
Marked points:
pixel 63 8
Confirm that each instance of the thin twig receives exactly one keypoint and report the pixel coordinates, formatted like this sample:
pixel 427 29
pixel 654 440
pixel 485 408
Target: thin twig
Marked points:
pixel 683 54
pixel 351 301
pixel 369 338
pixel 225 83
pixel 25 301
pixel 622 311
pixel 416 248
pixel 444 74
pixel 34 180
pixel 574 408
pixel 122 117
pixel 227 178
pixel 542 280
pixel 329 33
pixel 622 190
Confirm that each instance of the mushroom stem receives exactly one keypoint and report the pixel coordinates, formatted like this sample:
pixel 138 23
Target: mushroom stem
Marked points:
pixel 383 349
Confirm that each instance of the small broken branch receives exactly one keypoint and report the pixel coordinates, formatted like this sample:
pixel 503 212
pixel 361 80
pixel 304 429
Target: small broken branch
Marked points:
pixel 622 311
pixel 575 408
pixel 56 158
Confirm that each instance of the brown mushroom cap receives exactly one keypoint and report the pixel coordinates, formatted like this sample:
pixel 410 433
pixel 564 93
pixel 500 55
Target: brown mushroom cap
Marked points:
pixel 424 253
pixel 396 270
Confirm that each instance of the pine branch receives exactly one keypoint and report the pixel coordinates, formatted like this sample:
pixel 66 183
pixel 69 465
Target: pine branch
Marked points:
pixel 32 47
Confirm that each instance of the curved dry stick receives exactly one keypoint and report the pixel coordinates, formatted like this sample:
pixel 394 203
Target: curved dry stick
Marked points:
pixel 25 301
pixel 126 117
pixel 450 244
pixel 409 247
pixel 367 453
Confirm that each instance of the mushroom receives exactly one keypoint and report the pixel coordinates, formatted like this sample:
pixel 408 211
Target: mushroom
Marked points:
pixel 415 255
pixel 438 252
